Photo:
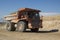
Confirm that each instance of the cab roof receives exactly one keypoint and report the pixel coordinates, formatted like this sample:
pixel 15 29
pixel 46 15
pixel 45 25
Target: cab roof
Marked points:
pixel 28 9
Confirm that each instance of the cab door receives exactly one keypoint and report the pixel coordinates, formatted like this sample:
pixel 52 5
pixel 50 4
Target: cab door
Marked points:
pixel 35 21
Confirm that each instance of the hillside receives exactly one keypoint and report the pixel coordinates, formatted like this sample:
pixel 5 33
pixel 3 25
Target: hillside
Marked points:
pixel 50 18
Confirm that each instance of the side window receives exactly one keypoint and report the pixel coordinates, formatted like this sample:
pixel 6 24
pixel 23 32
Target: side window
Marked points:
pixel 30 15
pixel 24 13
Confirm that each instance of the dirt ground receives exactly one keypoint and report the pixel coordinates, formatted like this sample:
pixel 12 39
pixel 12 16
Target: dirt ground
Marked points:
pixel 43 34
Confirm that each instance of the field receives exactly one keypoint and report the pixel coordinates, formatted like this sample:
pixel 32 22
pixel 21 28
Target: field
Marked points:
pixel 50 31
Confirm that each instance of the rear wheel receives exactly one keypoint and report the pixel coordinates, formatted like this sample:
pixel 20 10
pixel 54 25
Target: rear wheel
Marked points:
pixel 35 30
pixel 10 26
pixel 21 26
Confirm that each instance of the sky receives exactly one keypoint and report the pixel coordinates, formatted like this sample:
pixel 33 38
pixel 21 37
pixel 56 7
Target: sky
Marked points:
pixel 47 7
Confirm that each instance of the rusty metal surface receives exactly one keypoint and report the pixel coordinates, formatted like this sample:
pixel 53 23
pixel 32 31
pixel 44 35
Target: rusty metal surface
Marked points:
pixel 29 9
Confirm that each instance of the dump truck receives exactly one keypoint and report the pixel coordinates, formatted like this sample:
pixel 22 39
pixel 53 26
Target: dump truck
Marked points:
pixel 24 18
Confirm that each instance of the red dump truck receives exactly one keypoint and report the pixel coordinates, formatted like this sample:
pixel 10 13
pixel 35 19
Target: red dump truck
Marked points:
pixel 24 18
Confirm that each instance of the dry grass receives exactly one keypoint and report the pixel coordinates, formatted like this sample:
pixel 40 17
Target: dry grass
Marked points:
pixel 51 22
pixel 50 18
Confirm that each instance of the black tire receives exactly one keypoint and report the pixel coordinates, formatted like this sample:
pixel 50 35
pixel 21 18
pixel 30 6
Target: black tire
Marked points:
pixel 35 30
pixel 10 26
pixel 21 26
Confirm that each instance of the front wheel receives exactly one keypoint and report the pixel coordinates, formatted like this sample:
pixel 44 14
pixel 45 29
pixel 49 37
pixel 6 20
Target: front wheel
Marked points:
pixel 21 26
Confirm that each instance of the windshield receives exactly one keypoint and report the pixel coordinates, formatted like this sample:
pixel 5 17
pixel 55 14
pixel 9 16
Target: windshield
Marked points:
pixel 34 14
